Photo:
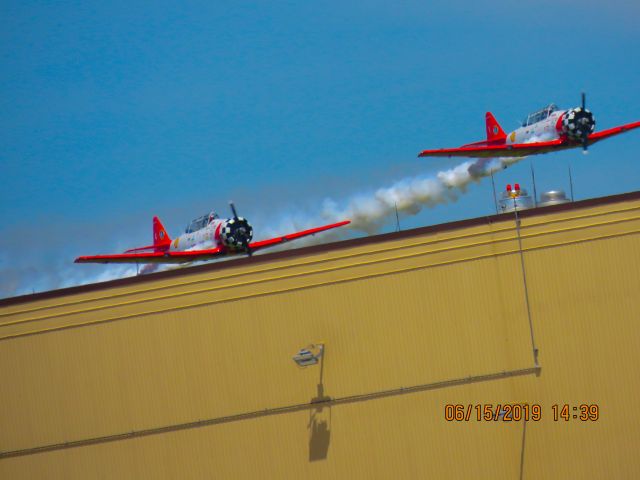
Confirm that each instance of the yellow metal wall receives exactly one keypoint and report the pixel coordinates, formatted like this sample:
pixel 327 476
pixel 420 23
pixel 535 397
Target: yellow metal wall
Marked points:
pixel 112 383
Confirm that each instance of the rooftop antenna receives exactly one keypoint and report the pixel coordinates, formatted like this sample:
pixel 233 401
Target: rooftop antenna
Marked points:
pixel 397 217
pixel 524 279
pixel 570 183
pixel 533 179
pixel 493 184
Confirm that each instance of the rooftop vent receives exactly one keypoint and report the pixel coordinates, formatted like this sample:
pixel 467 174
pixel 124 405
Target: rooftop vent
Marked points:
pixel 553 197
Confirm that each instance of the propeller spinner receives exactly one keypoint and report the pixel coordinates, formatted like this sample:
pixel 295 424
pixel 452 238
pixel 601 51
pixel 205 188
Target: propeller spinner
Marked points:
pixel 239 230
pixel 578 123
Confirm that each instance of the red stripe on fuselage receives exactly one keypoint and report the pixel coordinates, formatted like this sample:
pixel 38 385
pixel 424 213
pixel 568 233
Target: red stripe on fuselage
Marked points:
pixel 559 123
pixel 216 235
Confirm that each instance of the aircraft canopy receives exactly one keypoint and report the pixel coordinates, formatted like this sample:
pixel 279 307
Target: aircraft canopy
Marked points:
pixel 540 115
pixel 200 222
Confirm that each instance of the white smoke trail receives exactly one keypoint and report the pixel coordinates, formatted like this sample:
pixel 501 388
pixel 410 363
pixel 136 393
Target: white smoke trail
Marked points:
pixel 112 273
pixel 370 211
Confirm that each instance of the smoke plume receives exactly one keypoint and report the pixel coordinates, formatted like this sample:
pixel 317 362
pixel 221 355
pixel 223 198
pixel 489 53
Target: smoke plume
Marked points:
pixel 369 212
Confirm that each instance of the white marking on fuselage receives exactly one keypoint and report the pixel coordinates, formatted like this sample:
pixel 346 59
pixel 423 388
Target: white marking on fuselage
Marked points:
pixel 542 131
pixel 206 235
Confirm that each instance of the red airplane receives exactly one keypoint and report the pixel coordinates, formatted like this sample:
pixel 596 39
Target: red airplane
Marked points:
pixel 544 131
pixel 220 236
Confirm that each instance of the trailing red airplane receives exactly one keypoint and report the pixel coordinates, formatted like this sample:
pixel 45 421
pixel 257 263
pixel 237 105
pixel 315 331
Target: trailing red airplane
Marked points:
pixel 222 236
pixel 544 131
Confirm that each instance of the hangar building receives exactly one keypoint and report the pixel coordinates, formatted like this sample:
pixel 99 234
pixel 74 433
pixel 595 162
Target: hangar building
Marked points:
pixel 474 349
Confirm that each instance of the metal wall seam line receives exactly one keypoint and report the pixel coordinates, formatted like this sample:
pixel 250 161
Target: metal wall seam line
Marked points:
pixel 310 272
pixel 310 262
pixel 308 286
pixel 275 411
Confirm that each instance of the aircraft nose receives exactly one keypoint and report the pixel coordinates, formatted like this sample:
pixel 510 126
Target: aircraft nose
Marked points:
pixel 578 123
pixel 237 233
pixel 241 233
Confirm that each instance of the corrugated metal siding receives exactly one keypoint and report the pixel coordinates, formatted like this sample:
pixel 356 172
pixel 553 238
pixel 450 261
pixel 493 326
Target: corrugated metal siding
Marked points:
pixel 414 312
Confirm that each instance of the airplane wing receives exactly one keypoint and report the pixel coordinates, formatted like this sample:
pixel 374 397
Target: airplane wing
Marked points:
pixel 492 151
pixel 153 257
pixel 192 255
pixel 596 136
pixel 293 236
pixel 524 149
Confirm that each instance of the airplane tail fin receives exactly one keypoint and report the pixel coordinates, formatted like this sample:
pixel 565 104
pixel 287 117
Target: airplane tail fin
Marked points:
pixel 495 133
pixel 161 239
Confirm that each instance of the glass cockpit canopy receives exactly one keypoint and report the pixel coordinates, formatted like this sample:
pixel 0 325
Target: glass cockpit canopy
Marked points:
pixel 540 115
pixel 200 222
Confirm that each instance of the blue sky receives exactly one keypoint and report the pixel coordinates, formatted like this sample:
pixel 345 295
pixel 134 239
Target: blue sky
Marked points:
pixel 112 112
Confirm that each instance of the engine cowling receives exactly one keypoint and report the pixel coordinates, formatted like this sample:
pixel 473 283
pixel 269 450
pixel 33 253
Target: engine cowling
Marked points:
pixel 577 123
pixel 236 233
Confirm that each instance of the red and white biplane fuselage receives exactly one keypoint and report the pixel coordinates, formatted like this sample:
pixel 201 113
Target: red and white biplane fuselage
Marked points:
pixel 205 238
pixel 544 131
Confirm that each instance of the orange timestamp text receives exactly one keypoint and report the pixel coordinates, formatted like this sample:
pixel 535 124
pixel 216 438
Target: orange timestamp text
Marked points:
pixel 489 412
pixel 516 412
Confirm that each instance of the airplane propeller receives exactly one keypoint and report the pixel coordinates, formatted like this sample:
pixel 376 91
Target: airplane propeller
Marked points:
pixel 245 240
pixel 578 123
pixel 233 210
pixel 585 133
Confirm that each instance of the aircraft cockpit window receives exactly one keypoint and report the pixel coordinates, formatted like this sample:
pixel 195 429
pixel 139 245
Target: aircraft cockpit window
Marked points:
pixel 539 115
pixel 548 111
pixel 197 224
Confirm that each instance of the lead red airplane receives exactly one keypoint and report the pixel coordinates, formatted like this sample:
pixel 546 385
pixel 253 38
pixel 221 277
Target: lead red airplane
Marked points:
pixel 544 131
pixel 221 236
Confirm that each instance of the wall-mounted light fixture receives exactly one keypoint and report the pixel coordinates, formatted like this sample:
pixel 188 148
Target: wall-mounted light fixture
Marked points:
pixel 309 355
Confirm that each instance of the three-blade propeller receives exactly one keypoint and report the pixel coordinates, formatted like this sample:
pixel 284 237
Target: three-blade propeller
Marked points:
pixel 245 241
